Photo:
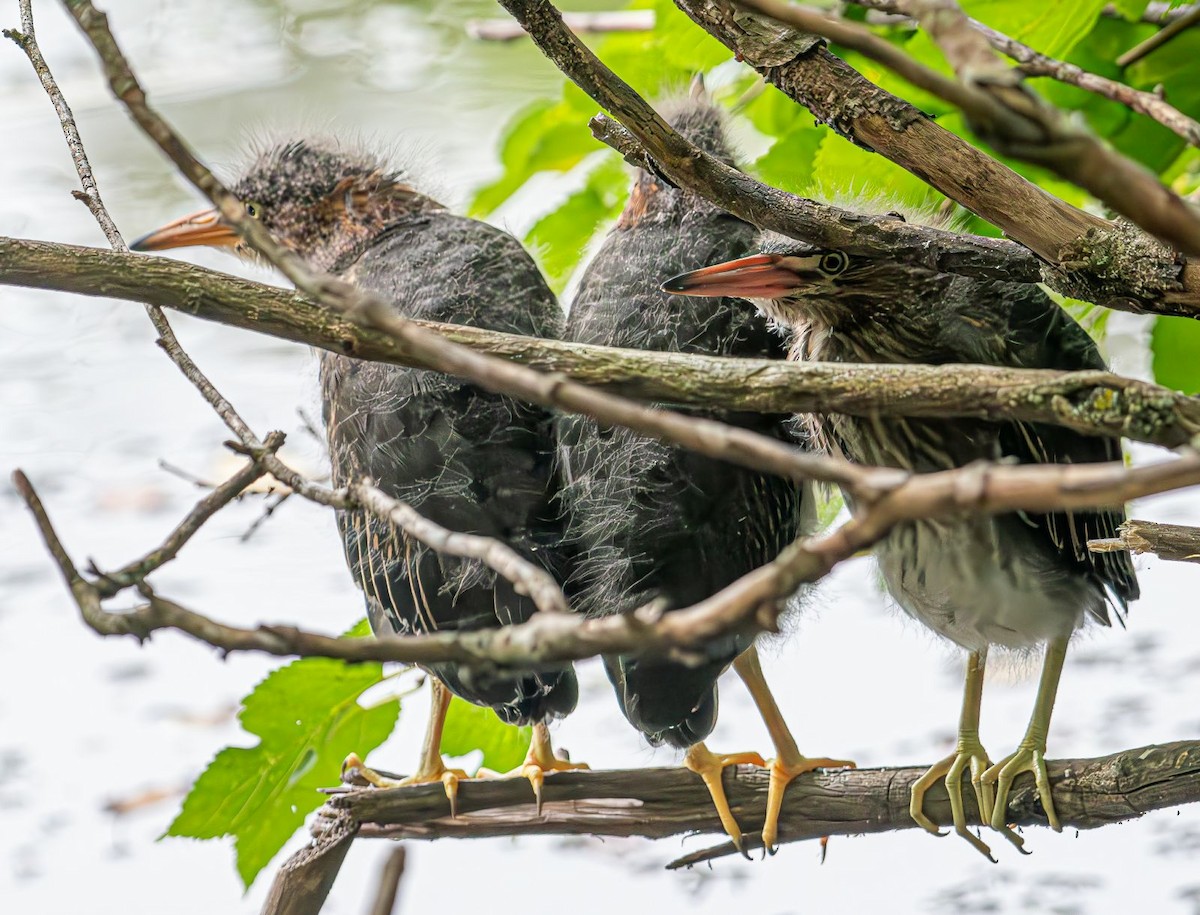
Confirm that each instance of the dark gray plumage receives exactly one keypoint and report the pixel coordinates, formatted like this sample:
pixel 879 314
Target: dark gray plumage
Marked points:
pixel 467 459
pixel 651 521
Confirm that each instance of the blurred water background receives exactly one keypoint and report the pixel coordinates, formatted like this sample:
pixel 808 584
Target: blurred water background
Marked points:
pixel 89 407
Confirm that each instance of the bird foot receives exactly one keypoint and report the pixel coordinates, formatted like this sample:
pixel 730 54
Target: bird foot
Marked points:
pixel 783 772
pixel 538 762
pixel 353 769
pixel 969 753
pixel 710 767
pixel 1030 756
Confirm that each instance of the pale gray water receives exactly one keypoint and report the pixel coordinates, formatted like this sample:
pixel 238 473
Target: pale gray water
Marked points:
pixel 88 406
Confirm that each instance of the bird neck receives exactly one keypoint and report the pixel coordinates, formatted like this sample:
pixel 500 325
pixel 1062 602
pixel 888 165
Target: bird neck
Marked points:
pixel 902 325
pixel 385 214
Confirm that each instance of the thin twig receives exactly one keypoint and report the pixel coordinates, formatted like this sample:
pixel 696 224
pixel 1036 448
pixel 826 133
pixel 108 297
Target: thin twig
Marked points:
pixel 26 39
pixel 1160 38
pixel 132 573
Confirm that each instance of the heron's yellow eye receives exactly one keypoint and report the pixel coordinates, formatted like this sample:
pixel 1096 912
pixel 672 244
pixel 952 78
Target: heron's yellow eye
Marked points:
pixel 253 210
pixel 834 262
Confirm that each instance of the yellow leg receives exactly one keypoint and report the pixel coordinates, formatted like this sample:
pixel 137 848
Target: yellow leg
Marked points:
pixel 968 752
pixel 431 768
pixel 541 759
pixel 788 762
pixel 1030 755
pixel 710 767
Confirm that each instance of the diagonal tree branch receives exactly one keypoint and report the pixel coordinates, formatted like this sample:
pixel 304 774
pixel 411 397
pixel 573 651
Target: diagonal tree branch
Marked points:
pixel 1103 261
pixel 1010 117
pixel 1034 64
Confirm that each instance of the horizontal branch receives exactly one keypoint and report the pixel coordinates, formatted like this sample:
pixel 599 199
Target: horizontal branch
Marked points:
pixel 1096 403
pixel 660 802
pixel 1177 542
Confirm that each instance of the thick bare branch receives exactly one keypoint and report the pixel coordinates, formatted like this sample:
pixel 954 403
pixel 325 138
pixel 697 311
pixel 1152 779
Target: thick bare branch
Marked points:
pixel 304 880
pixel 1009 117
pixel 1034 63
pixel 1103 262
pixel 1178 542
pixel 682 163
pixel 1092 402
pixel 656 802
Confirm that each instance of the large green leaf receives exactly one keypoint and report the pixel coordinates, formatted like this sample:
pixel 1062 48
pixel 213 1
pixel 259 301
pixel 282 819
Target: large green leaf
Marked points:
pixel 307 719
pixel 559 238
pixel 471 727
pixel 1052 28
pixel 1175 344
pixel 789 162
pixel 544 136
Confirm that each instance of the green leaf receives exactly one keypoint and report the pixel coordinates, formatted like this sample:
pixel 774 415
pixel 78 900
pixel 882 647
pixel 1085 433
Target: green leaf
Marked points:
pixel 788 164
pixel 471 727
pixel 843 172
pixel 559 238
pixel 545 136
pixel 1052 28
pixel 307 718
pixel 1131 9
pixel 1175 344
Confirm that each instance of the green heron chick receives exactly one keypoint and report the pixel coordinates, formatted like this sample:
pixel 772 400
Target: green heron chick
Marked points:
pixel 1015 580
pixel 654 522
pixel 467 459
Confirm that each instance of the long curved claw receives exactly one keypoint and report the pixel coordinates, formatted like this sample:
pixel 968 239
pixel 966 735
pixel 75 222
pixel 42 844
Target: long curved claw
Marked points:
pixel 969 753
pixel 1029 757
pixel 426 775
pixel 710 767
pixel 783 772
pixel 540 760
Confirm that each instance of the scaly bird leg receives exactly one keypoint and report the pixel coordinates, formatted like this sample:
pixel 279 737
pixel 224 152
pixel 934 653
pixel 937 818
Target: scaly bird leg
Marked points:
pixel 1030 755
pixel 710 767
pixel 541 759
pixel 788 761
pixel 431 768
pixel 968 752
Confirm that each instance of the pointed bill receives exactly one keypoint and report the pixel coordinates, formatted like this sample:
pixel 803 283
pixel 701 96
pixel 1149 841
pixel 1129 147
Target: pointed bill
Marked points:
pixel 760 276
pixel 202 228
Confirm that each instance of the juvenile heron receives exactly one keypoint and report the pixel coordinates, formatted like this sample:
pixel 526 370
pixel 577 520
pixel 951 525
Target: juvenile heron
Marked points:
pixel 467 459
pixel 1014 580
pixel 654 522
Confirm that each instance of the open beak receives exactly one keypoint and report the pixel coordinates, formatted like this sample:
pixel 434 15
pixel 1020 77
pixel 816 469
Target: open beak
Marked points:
pixel 203 228
pixel 760 276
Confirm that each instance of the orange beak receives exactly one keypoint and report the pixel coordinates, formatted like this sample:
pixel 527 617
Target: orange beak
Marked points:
pixel 202 228
pixel 760 276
